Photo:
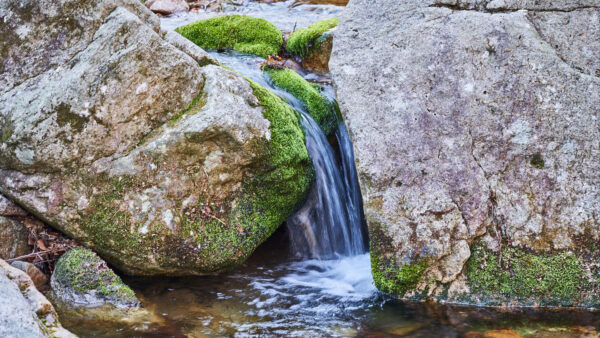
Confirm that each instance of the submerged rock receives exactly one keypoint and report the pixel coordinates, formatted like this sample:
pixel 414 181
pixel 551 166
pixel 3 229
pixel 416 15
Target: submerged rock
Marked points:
pixel 82 279
pixel 24 311
pixel 143 150
pixel 477 142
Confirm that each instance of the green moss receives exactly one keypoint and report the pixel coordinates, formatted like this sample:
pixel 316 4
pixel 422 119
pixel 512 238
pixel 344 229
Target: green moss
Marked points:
pixel 529 278
pixel 393 280
pixel 83 271
pixel 5 133
pixel 537 161
pixel 318 106
pixel 268 198
pixel 238 32
pixel 302 41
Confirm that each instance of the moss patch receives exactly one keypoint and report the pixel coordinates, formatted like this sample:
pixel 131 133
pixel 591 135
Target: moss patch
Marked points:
pixel 396 280
pixel 537 161
pixel 529 278
pixel 302 41
pixel 276 191
pixel 83 271
pixel 317 105
pixel 238 32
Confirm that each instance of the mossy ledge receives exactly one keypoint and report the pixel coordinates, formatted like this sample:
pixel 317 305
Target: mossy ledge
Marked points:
pixel 238 32
pixel 303 41
pixel 398 281
pixel 520 277
pixel 318 106
pixel 80 273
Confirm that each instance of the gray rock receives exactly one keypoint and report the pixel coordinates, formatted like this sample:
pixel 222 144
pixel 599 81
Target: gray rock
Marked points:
pixel 473 120
pixel 24 311
pixel 167 6
pixel 13 238
pixel 39 279
pixel 138 147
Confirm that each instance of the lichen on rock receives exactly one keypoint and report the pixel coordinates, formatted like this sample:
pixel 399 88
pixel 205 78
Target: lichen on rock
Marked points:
pixel 82 279
pixel 317 105
pixel 238 32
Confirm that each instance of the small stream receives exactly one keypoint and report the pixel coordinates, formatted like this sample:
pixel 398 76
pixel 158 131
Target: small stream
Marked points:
pixel 312 278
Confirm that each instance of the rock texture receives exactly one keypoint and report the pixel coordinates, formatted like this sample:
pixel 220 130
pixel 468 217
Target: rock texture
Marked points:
pixel 167 6
pixel 24 311
pixel 139 149
pixel 13 234
pixel 477 138
pixel 82 279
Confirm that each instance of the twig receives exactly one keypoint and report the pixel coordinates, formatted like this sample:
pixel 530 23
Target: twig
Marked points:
pixel 33 254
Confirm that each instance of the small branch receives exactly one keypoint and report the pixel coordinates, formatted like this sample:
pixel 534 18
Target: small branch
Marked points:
pixel 33 254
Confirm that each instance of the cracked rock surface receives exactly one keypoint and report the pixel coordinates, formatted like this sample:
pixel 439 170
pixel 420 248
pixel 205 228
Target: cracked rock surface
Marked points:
pixel 471 121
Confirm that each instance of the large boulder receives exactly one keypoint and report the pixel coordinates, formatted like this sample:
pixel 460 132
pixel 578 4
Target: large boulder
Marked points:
pixel 477 139
pixel 24 311
pixel 147 153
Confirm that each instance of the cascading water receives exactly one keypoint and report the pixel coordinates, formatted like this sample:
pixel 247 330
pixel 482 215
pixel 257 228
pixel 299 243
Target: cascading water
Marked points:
pixel 329 225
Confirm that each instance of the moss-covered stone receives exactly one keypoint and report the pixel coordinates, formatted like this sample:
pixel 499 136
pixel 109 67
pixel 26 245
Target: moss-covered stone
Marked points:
pixel 318 106
pixel 266 200
pixel 238 32
pixel 302 41
pixel 82 278
pixel 527 278
pixel 397 281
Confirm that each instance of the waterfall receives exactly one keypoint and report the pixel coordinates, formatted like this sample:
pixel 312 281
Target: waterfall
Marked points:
pixel 329 224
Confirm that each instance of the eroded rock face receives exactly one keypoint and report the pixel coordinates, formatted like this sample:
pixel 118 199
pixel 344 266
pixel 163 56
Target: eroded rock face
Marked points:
pixel 137 146
pixel 13 234
pixel 24 311
pixel 475 124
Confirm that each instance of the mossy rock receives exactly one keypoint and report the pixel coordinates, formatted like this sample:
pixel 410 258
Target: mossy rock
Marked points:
pixel 82 279
pixel 318 106
pixel 397 281
pixel 238 32
pixel 206 224
pixel 303 41
pixel 528 278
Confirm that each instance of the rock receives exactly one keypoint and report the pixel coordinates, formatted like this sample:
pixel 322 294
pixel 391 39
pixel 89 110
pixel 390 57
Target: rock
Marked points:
pixel 188 47
pixel 8 208
pixel 317 61
pixel 160 165
pixel 82 279
pixel 24 311
pixel 39 279
pixel 313 44
pixel 13 238
pixel 477 144
pixel 167 7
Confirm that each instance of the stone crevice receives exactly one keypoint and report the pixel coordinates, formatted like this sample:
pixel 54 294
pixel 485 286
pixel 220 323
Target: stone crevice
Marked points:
pixel 484 9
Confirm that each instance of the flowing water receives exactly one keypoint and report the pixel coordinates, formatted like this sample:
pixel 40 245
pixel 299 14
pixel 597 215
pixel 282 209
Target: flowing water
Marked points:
pixel 312 278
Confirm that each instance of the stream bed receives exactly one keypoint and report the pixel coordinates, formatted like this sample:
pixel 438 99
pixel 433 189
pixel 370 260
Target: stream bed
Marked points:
pixel 277 292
